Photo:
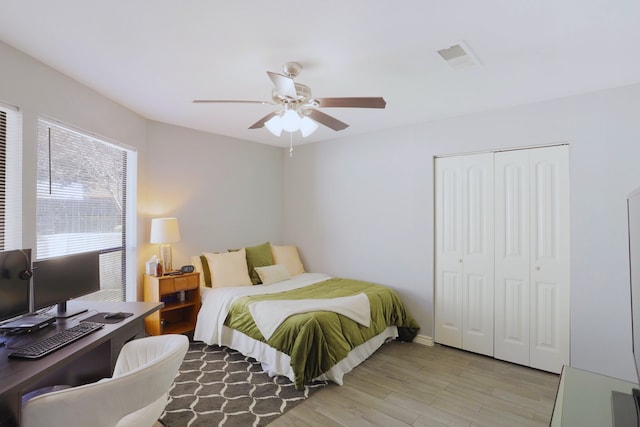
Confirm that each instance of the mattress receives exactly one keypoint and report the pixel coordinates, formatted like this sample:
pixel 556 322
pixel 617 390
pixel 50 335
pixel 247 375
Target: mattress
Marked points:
pixel 217 303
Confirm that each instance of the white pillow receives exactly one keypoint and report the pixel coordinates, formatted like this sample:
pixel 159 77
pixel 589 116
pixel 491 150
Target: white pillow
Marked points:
pixel 228 269
pixel 272 273
pixel 288 256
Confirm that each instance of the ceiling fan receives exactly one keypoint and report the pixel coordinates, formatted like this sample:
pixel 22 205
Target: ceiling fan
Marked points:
pixel 298 110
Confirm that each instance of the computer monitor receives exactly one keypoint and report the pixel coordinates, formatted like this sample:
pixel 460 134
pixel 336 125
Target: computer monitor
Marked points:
pixel 15 272
pixel 57 280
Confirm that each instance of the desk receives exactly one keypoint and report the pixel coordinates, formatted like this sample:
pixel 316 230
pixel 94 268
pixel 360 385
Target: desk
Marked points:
pixel 87 360
pixel 584 398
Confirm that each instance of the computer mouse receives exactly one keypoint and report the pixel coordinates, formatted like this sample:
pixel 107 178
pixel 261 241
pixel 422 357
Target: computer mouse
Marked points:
pixel 116 315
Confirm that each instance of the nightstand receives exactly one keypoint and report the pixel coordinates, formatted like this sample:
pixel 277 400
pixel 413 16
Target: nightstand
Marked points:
pixel 178 316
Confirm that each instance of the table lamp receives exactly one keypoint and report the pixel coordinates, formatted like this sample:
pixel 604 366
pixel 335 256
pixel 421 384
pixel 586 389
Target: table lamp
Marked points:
pixel 165 231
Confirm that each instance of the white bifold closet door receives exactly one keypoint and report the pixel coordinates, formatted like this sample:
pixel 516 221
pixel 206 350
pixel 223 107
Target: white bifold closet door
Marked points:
pixel 502 255
pixel 532 257
pixel 464 252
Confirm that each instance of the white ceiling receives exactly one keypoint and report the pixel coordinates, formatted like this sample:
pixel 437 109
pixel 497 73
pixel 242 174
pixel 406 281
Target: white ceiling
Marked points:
pixel 156 56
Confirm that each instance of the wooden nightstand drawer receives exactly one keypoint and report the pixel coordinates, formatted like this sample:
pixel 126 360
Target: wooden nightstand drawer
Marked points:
pixel 181 283
pixel 166 286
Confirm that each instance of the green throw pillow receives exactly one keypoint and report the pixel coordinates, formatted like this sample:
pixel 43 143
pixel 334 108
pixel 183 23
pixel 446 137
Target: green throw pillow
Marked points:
pixel 257 256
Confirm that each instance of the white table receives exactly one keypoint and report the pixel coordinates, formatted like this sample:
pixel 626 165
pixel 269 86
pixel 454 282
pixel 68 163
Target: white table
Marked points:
pixel 584 398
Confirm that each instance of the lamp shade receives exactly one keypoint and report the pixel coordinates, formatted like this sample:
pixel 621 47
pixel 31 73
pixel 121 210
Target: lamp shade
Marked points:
pixel 274 125
pixel 291 121
pixel 164 230
pixel 307 126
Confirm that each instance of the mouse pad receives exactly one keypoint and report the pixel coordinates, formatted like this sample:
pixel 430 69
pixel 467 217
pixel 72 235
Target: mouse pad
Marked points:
pixel 99 318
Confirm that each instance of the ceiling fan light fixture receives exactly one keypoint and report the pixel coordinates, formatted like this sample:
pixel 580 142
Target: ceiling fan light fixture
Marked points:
pixel 274 125
pixel 307 126
pixel 291 121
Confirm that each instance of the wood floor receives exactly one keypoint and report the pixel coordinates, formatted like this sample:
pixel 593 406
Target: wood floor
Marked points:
pixel 408 384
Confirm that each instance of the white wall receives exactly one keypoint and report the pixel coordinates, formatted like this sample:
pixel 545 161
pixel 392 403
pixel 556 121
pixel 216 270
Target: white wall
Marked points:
pixel 362 207
pixel 226 193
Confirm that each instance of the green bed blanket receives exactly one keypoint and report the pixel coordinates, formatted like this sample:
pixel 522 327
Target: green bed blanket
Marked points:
pixel 316 341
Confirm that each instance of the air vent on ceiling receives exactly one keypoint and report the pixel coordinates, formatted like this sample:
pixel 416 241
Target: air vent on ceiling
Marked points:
pixel 459 56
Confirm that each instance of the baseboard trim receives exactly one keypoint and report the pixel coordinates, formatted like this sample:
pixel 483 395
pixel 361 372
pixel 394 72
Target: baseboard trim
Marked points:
pixel 424 340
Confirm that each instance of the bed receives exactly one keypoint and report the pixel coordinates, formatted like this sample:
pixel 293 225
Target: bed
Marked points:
pixel 305 326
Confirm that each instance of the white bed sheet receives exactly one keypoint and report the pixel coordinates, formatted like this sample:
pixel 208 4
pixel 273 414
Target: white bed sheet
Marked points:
pixel 211 330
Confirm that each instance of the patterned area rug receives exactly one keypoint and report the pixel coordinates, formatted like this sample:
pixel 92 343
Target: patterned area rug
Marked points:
pixel 218 386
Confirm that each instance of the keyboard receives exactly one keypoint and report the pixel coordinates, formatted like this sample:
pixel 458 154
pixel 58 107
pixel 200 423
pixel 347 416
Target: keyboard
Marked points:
pixel 50 344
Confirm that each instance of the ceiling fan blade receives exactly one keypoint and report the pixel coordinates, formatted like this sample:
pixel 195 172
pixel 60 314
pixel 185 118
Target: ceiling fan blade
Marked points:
pixel 260 123
pixel 366 102
pixel 283 84
pixel 327 120
pixel 228 101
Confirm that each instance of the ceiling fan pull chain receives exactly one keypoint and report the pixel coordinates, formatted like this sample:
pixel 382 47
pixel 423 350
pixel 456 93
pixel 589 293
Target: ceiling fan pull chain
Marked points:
pixel 290 144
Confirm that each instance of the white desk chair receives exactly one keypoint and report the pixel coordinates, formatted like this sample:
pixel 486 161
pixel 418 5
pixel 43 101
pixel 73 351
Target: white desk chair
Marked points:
pixel 135 395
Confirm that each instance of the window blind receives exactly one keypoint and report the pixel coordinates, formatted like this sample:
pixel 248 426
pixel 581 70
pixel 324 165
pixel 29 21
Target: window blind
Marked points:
pixel 10 178
pixel 3 172
pixel 81 202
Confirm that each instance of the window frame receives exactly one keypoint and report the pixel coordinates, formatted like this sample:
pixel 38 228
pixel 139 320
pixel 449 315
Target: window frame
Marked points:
pixel 129 245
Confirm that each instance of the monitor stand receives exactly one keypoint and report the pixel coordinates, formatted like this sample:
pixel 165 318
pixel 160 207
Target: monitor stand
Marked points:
pixel 63 312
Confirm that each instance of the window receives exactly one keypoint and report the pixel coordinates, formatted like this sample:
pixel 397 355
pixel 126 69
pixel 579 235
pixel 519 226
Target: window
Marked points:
pixel 82 202
pixel 10 178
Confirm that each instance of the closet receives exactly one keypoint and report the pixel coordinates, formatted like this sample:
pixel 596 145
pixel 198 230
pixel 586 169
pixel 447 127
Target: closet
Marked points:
pixel 502 255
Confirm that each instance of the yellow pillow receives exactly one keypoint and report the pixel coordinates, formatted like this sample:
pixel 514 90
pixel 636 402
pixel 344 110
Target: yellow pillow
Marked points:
pixel 272 273
pixel 288 256
pixel 228 269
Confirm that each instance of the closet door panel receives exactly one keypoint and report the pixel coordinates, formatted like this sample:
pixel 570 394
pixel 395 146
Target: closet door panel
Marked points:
pixel 550 258
pixel 448 214
pixel 512 256
pixel 512 321
pixel 478 253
